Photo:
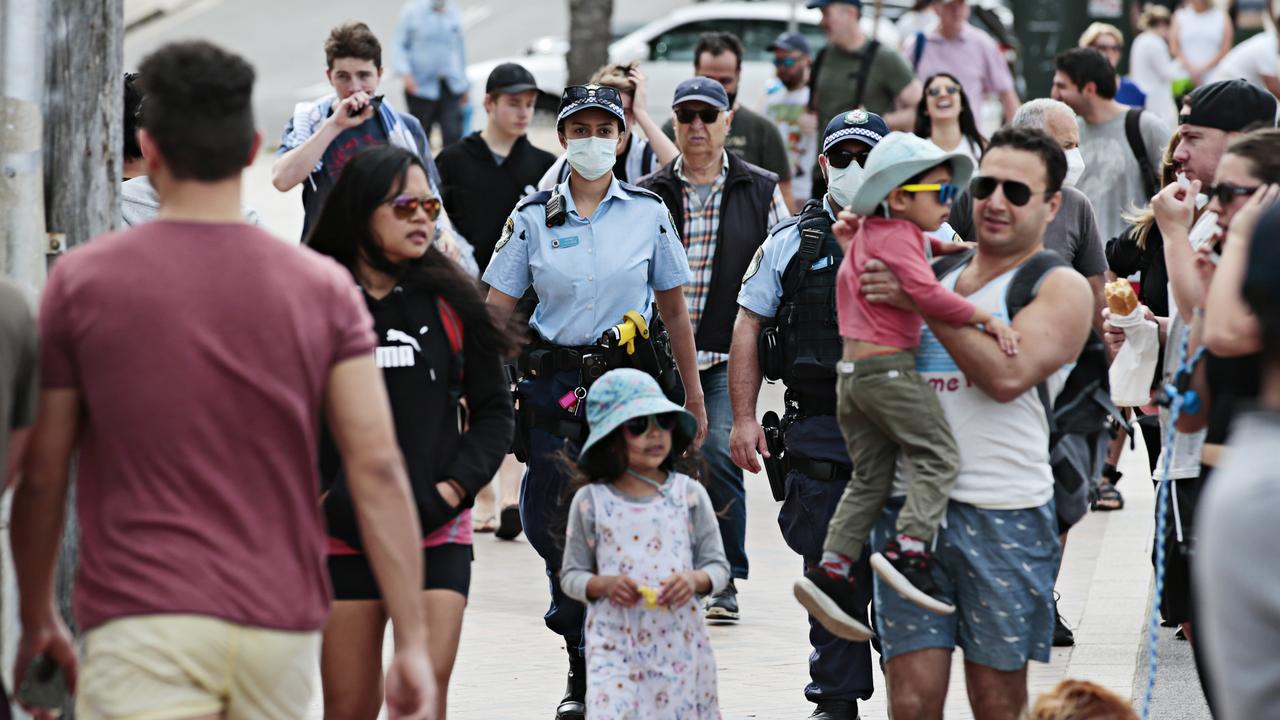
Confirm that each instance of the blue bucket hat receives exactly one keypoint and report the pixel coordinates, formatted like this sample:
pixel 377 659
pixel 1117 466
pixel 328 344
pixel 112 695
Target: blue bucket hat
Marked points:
pixel 859 124
pixel 898 158
pixel 623 394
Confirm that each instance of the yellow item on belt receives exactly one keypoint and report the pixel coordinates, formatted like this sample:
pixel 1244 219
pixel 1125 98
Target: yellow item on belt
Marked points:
pixel 625 332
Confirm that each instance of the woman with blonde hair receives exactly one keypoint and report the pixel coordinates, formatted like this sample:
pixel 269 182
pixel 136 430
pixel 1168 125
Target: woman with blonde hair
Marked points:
pixel 1151 65
pixel 1108 40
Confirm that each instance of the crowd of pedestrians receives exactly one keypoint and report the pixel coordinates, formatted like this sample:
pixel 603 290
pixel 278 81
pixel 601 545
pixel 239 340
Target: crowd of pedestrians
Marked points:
pixel 294 461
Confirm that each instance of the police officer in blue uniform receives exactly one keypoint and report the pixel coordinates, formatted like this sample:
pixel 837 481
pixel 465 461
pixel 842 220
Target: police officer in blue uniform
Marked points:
pixel 592 249
pixel 786 330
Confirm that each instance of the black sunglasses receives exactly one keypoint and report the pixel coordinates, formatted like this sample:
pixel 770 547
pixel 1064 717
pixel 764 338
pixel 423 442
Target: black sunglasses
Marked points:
pixel 840 159
pixel 638 426
pixel 1226 192
pixel 1015 192
pixel 686 116
pixel 937 90
pixel 577 93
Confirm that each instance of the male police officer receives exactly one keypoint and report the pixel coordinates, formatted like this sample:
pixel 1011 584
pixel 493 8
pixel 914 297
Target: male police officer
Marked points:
pixel 790 288
pixel 550 243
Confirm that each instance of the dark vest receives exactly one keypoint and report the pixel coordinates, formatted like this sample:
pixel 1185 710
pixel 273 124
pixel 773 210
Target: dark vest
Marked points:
pixel 807 312
pixel 744 224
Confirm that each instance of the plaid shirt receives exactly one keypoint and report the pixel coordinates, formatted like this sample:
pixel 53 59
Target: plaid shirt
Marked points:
pixel 701 224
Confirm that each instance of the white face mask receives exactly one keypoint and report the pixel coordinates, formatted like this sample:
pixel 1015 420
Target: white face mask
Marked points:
pixel 1075 167
pixel 592 157
pixel 843 183
pixel 1201 198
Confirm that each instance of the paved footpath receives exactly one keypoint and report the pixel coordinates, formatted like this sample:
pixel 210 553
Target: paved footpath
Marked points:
pixel 510 667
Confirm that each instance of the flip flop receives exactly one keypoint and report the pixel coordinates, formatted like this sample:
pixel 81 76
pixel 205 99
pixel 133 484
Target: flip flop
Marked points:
pixel 509 527
pixel 484 525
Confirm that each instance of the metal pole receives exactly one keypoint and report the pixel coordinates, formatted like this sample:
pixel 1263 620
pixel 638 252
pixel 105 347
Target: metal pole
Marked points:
pixel 22 61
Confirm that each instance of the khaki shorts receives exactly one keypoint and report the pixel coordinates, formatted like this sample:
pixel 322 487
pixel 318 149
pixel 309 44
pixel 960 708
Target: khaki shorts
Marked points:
pixel 167 667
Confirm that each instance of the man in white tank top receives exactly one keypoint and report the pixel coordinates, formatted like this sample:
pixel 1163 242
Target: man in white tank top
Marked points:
pixel 997 552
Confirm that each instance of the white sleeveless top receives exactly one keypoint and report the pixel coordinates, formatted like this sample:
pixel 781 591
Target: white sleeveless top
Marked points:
pixel 1004 447
pixel 1200 34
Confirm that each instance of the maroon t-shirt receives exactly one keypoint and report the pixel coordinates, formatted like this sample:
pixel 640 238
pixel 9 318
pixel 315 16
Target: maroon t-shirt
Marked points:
pixel 201 353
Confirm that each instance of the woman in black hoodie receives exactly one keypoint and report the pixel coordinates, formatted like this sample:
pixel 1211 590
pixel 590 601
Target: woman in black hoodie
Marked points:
pixel 440 354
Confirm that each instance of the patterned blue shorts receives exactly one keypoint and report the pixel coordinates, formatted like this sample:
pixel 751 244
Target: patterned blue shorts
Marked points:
pixel 997 567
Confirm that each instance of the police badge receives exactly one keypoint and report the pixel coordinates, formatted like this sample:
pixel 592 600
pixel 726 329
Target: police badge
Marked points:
pixel 507 230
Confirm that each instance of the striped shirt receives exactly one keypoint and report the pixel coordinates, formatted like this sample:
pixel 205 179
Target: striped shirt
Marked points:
pixel 701 226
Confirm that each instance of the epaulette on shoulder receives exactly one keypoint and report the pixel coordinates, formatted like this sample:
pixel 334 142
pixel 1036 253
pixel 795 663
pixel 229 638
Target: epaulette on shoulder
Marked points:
pixel 637 190
pixel 539 198
pixel 784 224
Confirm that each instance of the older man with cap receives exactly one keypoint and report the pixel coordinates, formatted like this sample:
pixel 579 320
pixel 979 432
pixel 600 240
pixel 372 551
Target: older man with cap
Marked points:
pixel 785 102
pixel 549 243
pixel 723 207
pixel 786 330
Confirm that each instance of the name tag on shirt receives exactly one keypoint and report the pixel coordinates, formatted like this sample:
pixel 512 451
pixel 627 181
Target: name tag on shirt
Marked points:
pixel 821 264
pixel 565 242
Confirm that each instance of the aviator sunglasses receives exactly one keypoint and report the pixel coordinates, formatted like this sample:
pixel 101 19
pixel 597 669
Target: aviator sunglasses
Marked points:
pixel 1015 192
pixel 404 206
pixel 1226 192
pixel 946 192
pixel 638 426
pixel 686 116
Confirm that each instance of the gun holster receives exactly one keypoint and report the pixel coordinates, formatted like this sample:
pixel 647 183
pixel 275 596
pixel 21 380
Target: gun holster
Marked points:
pixel 774 466
pixel 523 417
pixel 769 351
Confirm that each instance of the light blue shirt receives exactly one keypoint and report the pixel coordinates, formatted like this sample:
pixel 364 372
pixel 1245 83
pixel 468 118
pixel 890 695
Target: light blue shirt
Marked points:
pixel 429 48
pixel 761 291
pixel 589 272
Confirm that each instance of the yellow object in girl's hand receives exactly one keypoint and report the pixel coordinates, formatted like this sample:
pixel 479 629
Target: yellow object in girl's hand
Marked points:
pixel 650 596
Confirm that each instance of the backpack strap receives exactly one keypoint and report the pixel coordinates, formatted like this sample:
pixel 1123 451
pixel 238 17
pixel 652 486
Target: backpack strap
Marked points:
pixel 813 82
pixel 945 264
pixel 864 71
pixel 1133 132
pixel 812 228
pixel 1026 282
pixel 454 331
pixel 918 51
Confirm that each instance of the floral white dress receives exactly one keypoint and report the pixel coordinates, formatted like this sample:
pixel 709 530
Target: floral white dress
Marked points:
pixel 644 662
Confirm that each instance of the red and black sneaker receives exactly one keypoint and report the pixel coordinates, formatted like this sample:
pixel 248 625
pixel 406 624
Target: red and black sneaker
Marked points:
pixel 831 601
pixel 911 574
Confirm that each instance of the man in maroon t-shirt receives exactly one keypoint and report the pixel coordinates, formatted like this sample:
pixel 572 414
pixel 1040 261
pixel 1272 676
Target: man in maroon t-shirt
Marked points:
pixel 188 361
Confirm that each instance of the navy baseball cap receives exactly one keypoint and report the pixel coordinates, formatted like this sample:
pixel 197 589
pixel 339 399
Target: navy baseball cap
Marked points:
pixel 577 98
pixel 702 89
pixel 1230 106
pixel 790 41
pixel 509 79
pixel 859 124
pixel 824 3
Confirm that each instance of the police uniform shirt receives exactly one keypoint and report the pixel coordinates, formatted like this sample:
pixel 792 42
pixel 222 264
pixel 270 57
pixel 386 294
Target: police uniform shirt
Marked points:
pixel 761 291
pixel 589 272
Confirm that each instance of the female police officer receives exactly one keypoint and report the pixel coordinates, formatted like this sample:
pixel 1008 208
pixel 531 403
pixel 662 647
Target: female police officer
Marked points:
pixel 594 249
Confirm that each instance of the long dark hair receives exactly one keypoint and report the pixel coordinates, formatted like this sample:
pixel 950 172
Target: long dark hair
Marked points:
pixel 344 233
pixel 968 125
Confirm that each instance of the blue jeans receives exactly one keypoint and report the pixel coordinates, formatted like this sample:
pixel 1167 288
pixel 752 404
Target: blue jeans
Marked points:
pixel 544 503
pixel 838 669
pixel 724 479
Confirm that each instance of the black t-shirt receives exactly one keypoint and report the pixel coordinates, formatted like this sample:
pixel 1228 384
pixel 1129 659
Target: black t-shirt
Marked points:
pixel 316 188
pixel 1234 384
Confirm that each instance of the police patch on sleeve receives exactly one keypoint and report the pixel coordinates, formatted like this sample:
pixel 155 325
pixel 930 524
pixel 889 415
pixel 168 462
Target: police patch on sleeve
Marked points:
pixel 507 230
pixel 754 267
pixel 671 220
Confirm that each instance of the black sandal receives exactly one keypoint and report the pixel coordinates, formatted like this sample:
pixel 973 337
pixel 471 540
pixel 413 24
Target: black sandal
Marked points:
pixel 1107 493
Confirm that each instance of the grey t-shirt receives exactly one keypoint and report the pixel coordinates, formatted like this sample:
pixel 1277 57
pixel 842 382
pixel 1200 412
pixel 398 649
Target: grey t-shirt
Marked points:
pixel 1073 234
pixel 1236 576
pixel 18 389
pixel 1112 179
pixel 579 551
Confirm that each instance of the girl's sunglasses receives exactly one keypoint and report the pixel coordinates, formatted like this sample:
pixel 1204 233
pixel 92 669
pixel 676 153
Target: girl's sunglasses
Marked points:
pixel 840 159
pixel 937 90
pixel 638 426
pixel 946 192
pixel 1017 193
pixel 1226 192
pixel 686 116
pixel 404 206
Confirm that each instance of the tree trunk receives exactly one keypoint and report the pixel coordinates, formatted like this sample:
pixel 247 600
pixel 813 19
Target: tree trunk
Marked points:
pixel 589 37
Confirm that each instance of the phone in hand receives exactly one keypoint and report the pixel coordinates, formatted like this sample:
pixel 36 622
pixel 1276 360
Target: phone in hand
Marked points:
pixel 44 686
pixel 375 102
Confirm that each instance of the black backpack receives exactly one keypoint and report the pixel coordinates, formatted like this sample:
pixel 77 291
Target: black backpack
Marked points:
pixel 1078 427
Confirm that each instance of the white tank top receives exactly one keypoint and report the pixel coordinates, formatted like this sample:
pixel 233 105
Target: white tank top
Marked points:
pixel 1200 34
pixel 1004 447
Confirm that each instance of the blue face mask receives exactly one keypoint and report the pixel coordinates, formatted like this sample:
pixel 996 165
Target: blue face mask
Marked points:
pixel 592 157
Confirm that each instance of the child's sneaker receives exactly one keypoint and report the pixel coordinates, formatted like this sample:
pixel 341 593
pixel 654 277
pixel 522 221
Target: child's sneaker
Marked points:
pixel 831 601
pixel 911 574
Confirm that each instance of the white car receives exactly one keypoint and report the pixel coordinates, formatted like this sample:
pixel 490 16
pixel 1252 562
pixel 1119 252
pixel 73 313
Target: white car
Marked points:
pixel 665 47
